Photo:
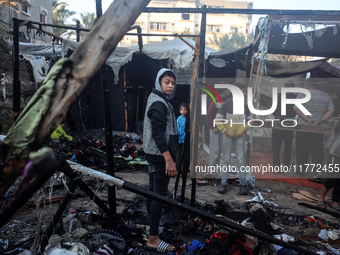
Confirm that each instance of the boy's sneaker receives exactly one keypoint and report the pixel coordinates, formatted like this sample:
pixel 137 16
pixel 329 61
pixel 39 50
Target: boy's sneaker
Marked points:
pixel 222 189
pixel 243 190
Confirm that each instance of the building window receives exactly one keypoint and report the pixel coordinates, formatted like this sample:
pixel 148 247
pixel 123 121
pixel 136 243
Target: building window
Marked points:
pixel 233 29
pixel 43 15
pixel 185 16
pixel 42 18
pixel 158 26
pixel 214 28
pixel 24 8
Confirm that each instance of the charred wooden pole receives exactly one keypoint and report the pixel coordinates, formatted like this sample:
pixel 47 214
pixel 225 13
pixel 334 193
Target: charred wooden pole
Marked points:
pixel 16 81
pixel 139 35
pixel 249 63
pixel 198 93
pixel 193 107
pixel 71 80
pixel 140 38
pixel 202 43
pixel 108 137
pixel 39 172
pixel 108 124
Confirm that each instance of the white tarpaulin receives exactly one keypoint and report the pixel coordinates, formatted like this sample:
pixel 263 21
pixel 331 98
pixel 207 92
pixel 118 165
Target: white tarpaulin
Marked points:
pixel 46 50
pixel 180 54
pixel 40 67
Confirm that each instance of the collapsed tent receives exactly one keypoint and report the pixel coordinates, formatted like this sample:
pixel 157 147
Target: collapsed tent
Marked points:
pixel 303 36
pixel 179 54
pixel 130 76
pixel 279 35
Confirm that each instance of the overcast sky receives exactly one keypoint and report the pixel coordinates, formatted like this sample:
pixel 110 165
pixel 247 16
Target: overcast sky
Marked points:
pixel 90 5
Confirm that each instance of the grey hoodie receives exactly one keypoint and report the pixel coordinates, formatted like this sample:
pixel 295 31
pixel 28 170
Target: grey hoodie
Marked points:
pixel 158 85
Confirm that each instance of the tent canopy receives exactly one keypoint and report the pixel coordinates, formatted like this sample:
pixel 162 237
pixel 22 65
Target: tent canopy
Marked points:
pixel 46 50
pixel 179 53
pixel 303 38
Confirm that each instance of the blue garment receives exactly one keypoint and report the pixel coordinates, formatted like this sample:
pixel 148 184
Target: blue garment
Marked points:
pixel 181 128
pixel 195 244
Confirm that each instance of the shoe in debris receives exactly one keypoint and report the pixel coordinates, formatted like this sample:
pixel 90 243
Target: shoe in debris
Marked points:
pixel 222 189
pixel 243 190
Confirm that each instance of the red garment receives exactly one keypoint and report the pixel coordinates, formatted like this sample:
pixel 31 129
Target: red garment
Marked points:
pixel 235 249
pixel 212 110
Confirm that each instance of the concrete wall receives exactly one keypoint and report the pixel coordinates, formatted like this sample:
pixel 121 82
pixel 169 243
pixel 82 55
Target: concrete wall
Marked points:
pixel 38 7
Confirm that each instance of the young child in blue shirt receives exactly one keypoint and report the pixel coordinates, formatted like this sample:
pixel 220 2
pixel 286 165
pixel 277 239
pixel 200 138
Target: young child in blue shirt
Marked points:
pixel 183 108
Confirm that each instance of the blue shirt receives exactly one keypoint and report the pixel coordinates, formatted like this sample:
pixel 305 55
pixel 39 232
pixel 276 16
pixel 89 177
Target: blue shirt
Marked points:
pixel 181 128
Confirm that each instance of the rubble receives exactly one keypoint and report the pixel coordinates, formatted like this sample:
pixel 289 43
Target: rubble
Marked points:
pixel 86 229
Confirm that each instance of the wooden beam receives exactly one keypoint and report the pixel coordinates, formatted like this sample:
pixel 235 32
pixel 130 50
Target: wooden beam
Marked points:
pixel 89 57
pixel 86 61
pixel 193 114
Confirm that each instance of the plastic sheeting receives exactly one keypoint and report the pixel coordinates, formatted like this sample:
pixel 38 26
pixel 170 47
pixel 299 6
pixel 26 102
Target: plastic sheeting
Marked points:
pixel 309 41
pixel 40 67
pixel 46 50
pixel 180 54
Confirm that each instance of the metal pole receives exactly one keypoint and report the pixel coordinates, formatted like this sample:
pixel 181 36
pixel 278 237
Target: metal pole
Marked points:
pixel 202 42
pixel 99 9
pixel 78 32
pixel 16 81
pixel 69 172
pixel 334 14
pixel 108 125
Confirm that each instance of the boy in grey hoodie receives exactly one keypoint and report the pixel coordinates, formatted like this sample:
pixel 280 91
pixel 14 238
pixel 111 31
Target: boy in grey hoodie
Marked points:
pixel 160 142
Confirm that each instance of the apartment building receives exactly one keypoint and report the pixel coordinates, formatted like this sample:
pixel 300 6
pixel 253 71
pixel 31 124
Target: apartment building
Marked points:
pixel 40 11
pixel 169 23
